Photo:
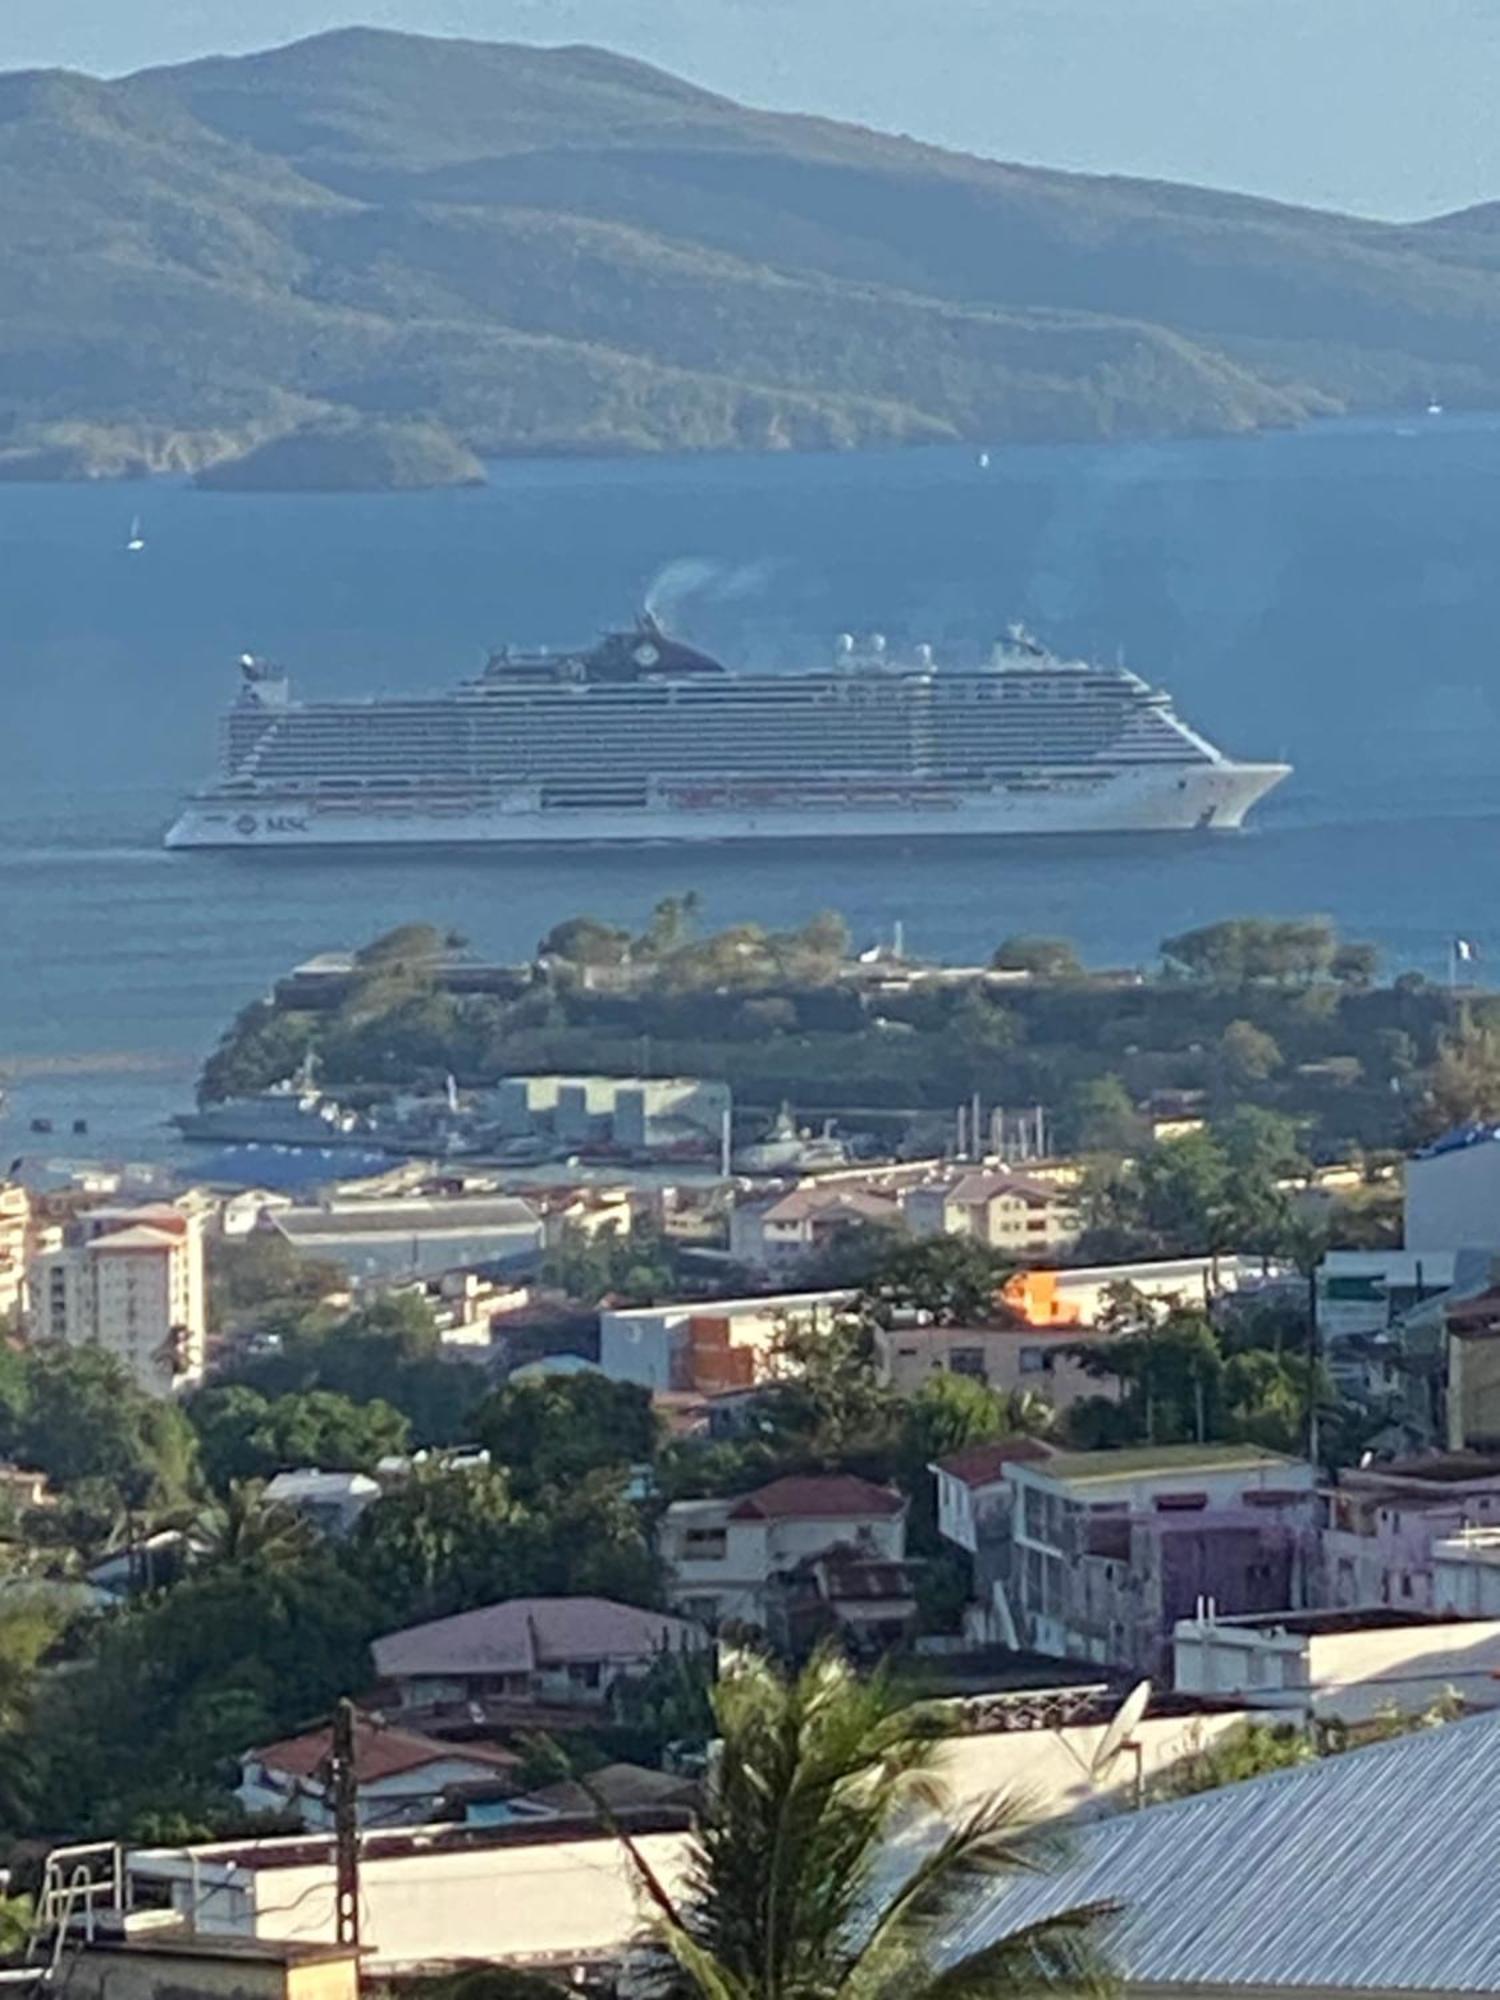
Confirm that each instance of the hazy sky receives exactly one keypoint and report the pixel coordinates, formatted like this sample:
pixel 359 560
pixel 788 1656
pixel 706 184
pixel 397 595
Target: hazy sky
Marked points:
pixel 1386 107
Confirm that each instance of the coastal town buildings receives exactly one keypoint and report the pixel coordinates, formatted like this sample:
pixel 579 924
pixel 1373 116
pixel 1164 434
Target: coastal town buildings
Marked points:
pixel 129 1280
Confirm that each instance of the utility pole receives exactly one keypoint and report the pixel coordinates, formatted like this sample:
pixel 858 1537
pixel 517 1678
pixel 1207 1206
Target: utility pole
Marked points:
pixel 344 1786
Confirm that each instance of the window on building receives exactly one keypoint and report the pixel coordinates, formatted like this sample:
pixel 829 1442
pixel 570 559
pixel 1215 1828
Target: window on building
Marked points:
pixel 967 1361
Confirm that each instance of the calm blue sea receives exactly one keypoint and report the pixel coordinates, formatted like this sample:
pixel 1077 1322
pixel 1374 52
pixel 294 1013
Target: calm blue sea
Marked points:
pixel 1331 595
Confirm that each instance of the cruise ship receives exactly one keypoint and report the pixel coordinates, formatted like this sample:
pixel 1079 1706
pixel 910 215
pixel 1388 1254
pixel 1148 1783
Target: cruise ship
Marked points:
pixel 643 737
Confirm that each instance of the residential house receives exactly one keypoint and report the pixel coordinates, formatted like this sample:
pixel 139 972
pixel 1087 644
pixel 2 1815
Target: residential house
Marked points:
pixel 1383 1522
pixel 975 1499
pixel 1100 1553
pixel 528 1655
pixel 717 1344
pixel 1010 1213
pixel 129 1280
pixel 797 1554
pixel 1346 1666
pixel 778 1234
pixel 401 1778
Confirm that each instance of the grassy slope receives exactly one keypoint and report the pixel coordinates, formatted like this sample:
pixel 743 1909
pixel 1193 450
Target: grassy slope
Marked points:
pixel 562 248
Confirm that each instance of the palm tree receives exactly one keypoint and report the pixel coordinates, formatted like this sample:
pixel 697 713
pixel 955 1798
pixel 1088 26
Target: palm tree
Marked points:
pixel 246 1527
pixel 794 1891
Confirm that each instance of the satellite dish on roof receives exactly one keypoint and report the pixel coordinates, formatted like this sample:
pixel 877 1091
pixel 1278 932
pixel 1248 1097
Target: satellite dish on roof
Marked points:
pixel 1127 1719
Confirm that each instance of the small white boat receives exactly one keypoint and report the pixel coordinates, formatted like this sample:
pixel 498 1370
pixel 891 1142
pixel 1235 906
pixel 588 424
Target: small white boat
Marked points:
pixel 984 461
pixel 1434 409
pixel 137 538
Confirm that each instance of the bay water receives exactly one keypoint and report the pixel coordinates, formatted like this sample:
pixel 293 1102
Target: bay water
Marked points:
pixel 1331 596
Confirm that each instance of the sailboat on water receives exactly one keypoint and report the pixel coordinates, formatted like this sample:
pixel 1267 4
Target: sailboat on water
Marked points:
pixel 137 538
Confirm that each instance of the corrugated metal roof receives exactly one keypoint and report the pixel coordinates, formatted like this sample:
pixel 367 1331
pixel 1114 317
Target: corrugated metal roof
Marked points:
pixel 1374 1870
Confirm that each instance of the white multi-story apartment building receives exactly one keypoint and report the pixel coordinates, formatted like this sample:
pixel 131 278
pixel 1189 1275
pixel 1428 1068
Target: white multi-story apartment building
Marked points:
pixel 129 1280
pixel 15 1247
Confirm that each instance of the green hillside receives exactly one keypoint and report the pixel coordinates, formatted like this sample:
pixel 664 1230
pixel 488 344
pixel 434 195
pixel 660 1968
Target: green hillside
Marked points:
pixel 529 249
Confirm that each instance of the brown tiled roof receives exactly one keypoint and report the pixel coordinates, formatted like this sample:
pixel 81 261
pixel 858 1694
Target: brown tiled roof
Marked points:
pixel 378 1753
pixel 984 1464
pixel 833 1496
pixel 856 1202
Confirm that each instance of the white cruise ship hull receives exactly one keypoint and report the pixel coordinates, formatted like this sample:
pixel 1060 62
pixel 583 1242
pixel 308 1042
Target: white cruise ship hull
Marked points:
pixel 1140 799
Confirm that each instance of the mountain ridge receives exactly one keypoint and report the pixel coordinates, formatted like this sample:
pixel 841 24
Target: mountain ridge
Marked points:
pixel 565 249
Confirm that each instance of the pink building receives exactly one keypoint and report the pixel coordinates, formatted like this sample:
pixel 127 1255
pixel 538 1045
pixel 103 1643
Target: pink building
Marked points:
pixel 1383 1522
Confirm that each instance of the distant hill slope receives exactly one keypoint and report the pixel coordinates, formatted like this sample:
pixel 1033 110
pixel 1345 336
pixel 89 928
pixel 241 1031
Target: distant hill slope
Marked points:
pixel 565 250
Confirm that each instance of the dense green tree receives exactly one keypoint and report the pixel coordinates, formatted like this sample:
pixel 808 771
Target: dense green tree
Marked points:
pixel 242 1526
pixel 386 1351
pixel 1245 950
pixel 1247 1055
pixel 948 1280
pixel 789 1894
pixel 243 1434
pixel 248 1273
pixel 1100 1117
pixel 586 941
pixel 1046 958
pixel 84 1420
pixel 555 1431
pixel 633 1266
pixel 449 1539
pixel 265 1045
pixel 178 1684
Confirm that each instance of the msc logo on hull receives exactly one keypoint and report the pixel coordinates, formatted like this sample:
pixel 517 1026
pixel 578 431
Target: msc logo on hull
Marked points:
pixel 247 826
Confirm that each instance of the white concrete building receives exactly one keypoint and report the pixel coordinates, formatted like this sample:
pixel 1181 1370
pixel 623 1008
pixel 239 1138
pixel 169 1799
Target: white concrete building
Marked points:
pixel 450 1895
pixel 1344 1665
pixel 15 1248
pixel 1452 1193
pixel 129 1280
pixel 713 1344
pixel 1466 1573
pixel 637 1114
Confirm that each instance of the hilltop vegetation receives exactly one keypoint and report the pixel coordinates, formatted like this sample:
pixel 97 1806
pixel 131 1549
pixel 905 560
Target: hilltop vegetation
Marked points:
pixel 1280 1017
pixel 565 250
